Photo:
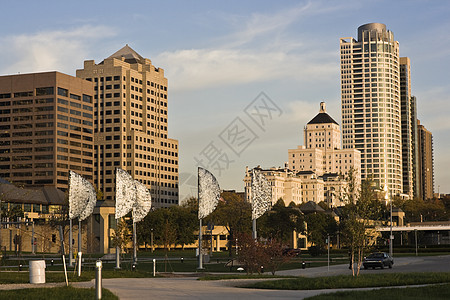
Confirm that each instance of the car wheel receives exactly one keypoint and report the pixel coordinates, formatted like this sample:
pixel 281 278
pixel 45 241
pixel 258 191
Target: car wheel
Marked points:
pixel 366 267
pixel 373 268
pixel 382 266
pixel 390 265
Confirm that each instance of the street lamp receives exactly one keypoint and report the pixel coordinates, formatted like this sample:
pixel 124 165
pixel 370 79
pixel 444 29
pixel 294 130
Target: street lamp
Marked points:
pixel 391 237
pixel 151 238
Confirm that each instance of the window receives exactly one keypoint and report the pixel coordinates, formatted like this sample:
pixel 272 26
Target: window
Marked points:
pixel 76 97
pixel 63 92
pixel 44 91
pixel 87 99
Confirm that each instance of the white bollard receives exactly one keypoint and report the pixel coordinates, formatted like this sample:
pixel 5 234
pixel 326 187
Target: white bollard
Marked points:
pixel 98 279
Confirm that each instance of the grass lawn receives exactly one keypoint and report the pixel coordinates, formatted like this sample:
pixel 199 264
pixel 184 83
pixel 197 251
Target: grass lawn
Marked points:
pixel 441 291
pixel 55 293
pixel 348 281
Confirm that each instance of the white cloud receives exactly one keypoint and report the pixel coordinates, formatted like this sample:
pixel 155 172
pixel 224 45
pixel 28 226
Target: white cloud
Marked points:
pixel 260 49
pixel 200 68
pixel 61 50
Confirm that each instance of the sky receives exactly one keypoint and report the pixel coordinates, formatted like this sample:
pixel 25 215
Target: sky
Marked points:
pixel 244 76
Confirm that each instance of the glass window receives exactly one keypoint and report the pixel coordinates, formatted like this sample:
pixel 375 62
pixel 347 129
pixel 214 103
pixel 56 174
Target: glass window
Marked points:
pixel 44 91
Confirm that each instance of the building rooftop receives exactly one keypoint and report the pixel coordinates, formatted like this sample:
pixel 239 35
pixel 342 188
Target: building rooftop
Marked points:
pixel 322 117
pixel 47 195
pixel 128 54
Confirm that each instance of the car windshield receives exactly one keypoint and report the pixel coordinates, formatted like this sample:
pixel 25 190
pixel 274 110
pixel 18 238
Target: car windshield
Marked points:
pixel 376 255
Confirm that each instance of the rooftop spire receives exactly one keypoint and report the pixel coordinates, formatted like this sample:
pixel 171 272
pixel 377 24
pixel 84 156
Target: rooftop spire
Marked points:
pixel 129 54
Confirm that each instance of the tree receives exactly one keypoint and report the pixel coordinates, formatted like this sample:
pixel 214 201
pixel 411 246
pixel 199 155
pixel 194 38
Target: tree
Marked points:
pixel 234 213
pixel 251 253
pixel 121 236
pixel 185 222
pixel 258 255
pixel 361 208
pixel 281 221
pixel 319 225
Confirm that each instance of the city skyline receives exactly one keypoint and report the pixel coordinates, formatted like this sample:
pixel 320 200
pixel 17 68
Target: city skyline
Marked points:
pixel 218 61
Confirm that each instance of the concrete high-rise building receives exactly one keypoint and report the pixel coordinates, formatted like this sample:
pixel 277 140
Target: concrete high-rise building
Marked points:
pixel 131 125
pixel 370 99
pixel 415 149
pixel 426 162
pixel 409 121
pixel 46 129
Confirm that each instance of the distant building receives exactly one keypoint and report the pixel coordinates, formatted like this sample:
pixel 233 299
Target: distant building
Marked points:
pixel 426 162
pixel 409 127
pixel 316 171
pixel 46 129
pixel 322 151
pixel 131 125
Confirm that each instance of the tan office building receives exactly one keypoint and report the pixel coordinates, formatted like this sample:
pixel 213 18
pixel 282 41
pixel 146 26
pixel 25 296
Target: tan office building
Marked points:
pixel 370 99
pixel 131 125
pixel 46 129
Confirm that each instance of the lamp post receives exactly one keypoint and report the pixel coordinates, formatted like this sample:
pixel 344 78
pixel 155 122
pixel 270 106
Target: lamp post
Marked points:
pixel 151 238
pixel 391 237
pixel 387 198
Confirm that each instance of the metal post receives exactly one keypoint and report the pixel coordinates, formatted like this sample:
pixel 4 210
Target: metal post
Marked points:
pixel 117 250
pixel 328 243
pixel 79 263
pixel 63 254
pixel 32 239
pixel 391 237
pixel 415 233
pixel 211 238
pixel 254 229
pixel 134 244
pixel 151 237
pixel 98 279
pixel 79 235
pixel 70 244
pixel 200 256
pixel 154 267
pixel 79 247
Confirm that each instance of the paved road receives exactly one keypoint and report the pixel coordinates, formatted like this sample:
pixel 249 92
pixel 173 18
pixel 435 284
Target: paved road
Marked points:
pixel 401 264
pixel 174 288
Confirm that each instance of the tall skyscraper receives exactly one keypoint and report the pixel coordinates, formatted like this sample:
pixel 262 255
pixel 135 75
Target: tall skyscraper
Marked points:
pixel 409 121
pixel 46 129
pixel 415 145
pixel 370 99
pixel 130 125
pixel 426 162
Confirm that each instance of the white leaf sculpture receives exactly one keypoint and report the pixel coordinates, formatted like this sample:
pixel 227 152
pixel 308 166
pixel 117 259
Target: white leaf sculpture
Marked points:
pixel 125 193
pixel 143 202
pixel 208 193
pixel 82 197
pixel 261 194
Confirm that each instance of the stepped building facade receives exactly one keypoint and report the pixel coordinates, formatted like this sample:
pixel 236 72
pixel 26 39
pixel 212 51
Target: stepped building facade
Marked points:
pixel 131 125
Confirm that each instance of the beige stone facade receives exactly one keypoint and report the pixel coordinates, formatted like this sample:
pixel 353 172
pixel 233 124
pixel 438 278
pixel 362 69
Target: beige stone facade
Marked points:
pixel 316 171
pixel 131 125
pixel 46 129
pixel 322 153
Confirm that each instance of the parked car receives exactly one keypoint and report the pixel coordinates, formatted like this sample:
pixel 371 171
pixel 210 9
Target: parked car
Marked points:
pixel 291 252
pixel 378 260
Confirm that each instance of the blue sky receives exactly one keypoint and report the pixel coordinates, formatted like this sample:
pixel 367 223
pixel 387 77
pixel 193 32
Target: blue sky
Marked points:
pixel 220 55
